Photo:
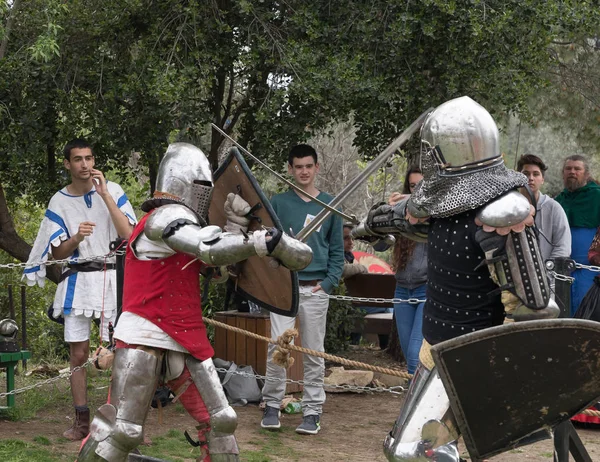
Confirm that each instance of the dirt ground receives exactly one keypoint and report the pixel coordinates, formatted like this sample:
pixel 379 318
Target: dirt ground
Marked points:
pixel 353 429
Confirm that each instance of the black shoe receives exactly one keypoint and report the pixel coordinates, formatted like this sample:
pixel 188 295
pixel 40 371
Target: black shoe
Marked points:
pixel 311 424
pixel 270 419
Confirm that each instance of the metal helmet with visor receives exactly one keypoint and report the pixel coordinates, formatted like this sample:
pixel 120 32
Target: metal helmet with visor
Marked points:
pixel 185 175
pixel 461 135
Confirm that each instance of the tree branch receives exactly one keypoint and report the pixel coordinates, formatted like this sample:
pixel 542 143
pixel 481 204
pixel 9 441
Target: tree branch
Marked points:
pixel 8 28
pixel 229 97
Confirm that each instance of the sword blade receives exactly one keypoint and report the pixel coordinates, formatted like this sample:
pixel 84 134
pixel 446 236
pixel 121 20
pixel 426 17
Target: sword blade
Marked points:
pixel 325 205
pixel 377 163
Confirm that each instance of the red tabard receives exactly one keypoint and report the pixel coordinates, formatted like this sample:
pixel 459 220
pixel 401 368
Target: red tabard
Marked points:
pixel 159 291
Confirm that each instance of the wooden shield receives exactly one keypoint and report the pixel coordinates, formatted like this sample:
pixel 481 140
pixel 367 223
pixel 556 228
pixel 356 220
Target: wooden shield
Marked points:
pixel 263 281
pixel 508 382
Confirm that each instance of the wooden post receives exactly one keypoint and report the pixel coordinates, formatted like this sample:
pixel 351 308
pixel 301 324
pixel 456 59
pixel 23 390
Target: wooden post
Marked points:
pixel 11 303
pixel 10 383
pixel 23 324
pixel 562 289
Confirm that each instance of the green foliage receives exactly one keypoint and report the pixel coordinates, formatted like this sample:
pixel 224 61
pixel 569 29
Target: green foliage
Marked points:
pixel 42 440
pixel 213 302
pixel 21 451
pixel 570 104
pixel 170 445
pixel 131 74
pixel 34 400
pixel 341 319
pixel 45 338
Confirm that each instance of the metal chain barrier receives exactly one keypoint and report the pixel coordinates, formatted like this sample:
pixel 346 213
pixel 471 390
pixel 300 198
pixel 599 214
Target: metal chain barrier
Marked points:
pixel 63 261
pixel 348 298
pixel 596 269
pixel 570 279
pixel 561 277
pixel 64 375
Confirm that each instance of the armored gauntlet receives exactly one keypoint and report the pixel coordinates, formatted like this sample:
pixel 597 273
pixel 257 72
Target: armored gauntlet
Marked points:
pixel 384 220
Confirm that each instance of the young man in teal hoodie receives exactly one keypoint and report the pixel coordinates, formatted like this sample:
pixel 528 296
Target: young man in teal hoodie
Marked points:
pixel 323 274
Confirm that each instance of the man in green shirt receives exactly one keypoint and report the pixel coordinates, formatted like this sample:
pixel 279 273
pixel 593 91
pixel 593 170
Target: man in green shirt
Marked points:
pixel 581 201
pixel 323 274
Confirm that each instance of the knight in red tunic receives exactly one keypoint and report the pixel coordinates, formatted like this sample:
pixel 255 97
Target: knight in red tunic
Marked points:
pixel 161 332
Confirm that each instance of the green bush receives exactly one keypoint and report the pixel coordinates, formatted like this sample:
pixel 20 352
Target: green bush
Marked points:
pixel 341 318
pixel 44 337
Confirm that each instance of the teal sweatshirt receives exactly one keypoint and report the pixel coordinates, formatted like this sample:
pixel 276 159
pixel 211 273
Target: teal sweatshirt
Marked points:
pixel 327 243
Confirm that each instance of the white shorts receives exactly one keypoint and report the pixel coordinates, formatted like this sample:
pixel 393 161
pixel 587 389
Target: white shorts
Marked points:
pixel 77 327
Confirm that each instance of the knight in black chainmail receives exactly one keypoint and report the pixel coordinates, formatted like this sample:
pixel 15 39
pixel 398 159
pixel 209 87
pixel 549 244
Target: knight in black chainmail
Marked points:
pixel 484 265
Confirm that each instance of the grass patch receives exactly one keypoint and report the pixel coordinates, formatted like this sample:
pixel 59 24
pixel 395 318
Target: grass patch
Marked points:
pixel 22 451
pixel 254 456
pixel 42 440
pixel 171 446
pixel 273 444
pixel 50 395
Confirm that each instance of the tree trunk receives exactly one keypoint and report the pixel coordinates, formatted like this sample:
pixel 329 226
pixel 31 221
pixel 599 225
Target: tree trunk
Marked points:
pixel 8 27
pixel 12 243
pixel 393 348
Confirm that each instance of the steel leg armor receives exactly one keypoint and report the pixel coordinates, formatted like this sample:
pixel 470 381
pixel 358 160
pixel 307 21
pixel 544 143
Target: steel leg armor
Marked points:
pixel 222 445
pixel 425 429
pixel 117 427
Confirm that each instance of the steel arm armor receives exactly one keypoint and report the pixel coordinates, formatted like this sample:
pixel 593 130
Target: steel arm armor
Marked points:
pixel 514 259
pixel 385 219
pixel 179 228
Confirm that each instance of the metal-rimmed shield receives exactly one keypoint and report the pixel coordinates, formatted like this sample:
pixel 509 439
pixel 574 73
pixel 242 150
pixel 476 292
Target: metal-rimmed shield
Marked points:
pixel 261 280
pixel 507 382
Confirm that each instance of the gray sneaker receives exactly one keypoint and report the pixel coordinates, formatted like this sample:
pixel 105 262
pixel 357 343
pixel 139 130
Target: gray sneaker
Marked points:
pixel 270 419
pixel 311 424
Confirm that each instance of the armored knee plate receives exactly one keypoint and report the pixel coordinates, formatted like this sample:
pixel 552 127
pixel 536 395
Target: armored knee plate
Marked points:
pixel 425 429
pixel 117 427
pixel 222 445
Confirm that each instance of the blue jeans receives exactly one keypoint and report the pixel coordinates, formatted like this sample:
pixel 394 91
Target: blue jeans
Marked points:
pixel 409 322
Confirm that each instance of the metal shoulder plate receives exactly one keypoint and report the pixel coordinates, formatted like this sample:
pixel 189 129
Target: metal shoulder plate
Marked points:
pixel 516 262
pixel 508 210
pixel 167 218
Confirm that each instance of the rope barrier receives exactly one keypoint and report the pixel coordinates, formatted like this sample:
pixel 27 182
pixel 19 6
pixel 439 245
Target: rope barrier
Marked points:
pixel 320 354
pixel 591 412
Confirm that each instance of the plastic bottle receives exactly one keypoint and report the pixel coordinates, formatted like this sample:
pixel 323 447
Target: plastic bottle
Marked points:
pixel 293 407
pixel 254 308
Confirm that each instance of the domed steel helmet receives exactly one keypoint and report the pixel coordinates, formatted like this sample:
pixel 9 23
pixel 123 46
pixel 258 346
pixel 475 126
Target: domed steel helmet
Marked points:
pixel 185 175
pixel 462 136
pixel 461 162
